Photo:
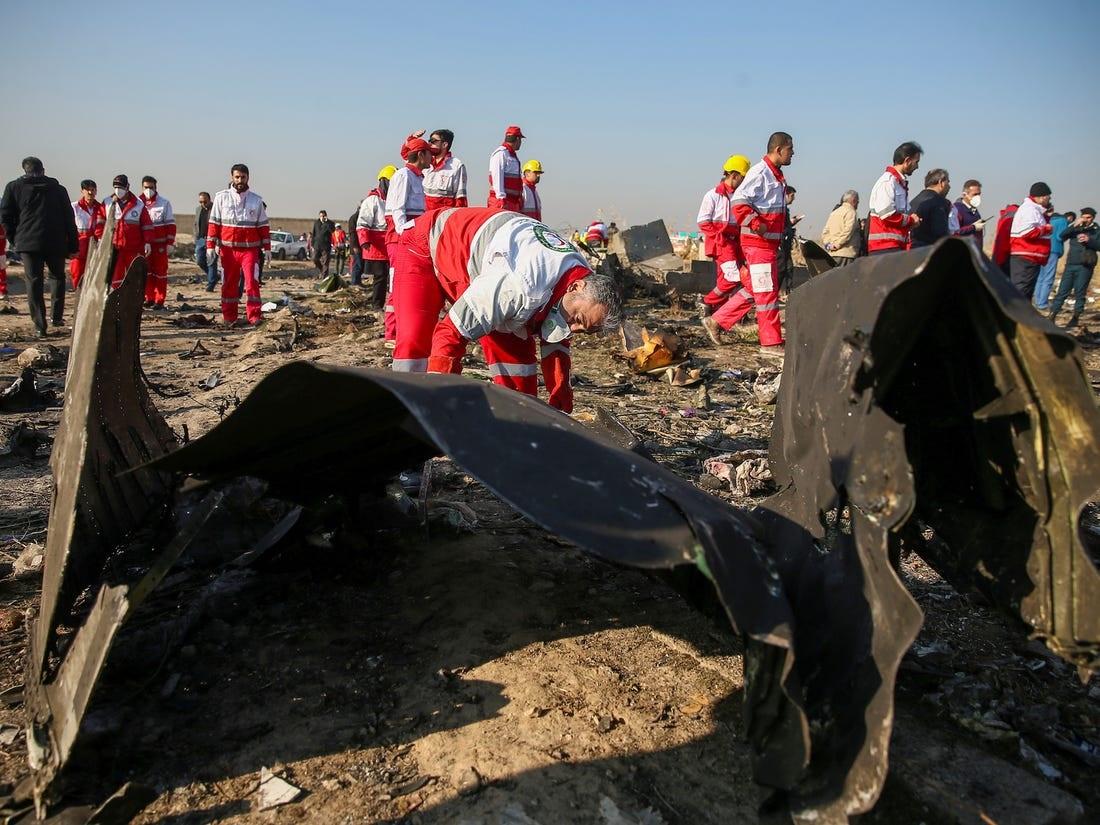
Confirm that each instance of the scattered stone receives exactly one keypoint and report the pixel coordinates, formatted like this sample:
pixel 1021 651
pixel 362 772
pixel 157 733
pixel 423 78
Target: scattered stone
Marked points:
pixel 29 563
pixel 40 357
pixel 274 791
pixel 10 618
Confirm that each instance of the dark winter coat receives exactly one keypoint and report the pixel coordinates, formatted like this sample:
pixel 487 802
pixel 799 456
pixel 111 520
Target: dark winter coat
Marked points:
pixel 38 216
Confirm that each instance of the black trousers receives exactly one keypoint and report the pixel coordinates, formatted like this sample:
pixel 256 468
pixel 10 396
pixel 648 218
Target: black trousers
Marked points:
pixel 35 265
pixel 321 260
pixel 380 274
pixel 1023 273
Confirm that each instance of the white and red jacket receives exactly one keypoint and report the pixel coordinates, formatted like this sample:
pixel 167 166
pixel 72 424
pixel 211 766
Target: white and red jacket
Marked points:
pixel 1031 233
pixel 133 226
pixel 238 220
pixel 90 219
pixel 532 203
pixel 370 226
pixel 404 201
pixel 721 233
pixel 445 183
pixel 596 233
pixel 890 219
pixel 503 271
pixel 760 206
pixel 505 179
pixel 164 222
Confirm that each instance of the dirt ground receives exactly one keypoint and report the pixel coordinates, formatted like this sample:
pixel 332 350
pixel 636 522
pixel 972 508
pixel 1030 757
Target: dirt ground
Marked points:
pixel 493 674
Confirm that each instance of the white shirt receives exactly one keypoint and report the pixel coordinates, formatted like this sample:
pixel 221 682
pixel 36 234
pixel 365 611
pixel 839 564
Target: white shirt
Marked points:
pixel 405 199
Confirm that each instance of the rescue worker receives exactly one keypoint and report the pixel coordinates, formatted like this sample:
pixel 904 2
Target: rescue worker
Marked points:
pixel 371 228
pixel 238 225
pixel 596 234
pixel 91 218
pixel 1030 244
pixel 760 209
pixel 532 203
pixel 445 179
pixel 510 279
pixel 164 238
pixel 891 221
pixel 505 176
pixel 404 203
pixel 133 233
pixel 340 248
pixel 1002 237
pixel 722 237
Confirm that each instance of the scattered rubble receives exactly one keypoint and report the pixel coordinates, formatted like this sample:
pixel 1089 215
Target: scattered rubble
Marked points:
pixel 274 791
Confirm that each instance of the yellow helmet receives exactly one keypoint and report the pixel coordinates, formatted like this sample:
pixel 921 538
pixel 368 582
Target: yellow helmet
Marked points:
pixel 387 172
pixel 532 166
pixel 736 163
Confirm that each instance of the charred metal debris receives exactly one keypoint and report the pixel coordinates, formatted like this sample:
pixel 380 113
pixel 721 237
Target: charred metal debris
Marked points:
pixel 925 407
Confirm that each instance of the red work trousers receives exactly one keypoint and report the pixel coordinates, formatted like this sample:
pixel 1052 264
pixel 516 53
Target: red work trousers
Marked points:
pixel 3 279
pixel 234 263
pixel 79 262
pixel 393 252
pixel 760 283
pixel 728 278
pixel 156 279
pixel 123 258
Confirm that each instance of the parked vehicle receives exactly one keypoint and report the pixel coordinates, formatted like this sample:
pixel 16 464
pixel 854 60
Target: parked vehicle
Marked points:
pixel 285 245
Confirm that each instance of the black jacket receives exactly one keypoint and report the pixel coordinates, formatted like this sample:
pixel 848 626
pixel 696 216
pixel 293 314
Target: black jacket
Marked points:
pixel 202 221
pixel 1082 255
pixel 353 236
pixel 933 210
pixel 322 233
pixel 38 216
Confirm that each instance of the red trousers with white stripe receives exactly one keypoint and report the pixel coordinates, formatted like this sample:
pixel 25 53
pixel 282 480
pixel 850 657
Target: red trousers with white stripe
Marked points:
pixel 235 262
pixel 759 285
pixel 728 278
pixel 427 344
pixel 156 279
pixel 393 251
pixel 123 258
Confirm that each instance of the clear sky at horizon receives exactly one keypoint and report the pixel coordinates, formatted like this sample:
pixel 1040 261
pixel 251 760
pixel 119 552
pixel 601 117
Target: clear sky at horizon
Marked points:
pixel 631 107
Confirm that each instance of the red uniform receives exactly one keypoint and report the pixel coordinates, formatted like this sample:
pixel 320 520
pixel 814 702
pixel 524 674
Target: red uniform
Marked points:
pixel 505 179
pixel 404 203
pixel 504 274
pixel 596 234
pixel 371 227
pixel 133 230
pixel 164 236
pixel 1030 233
pixel 445 183
pixel 532 203
pixel 888 229
pixel 721 243
pixel 90 217
pixel 1002 241
pixel 238 222
pixel 760 208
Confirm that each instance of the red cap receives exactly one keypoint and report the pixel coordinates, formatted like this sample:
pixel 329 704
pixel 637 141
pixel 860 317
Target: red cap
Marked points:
pixel 413 145
pixel 514 131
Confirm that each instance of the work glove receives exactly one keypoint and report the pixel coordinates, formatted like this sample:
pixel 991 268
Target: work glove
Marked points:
pixel 148 248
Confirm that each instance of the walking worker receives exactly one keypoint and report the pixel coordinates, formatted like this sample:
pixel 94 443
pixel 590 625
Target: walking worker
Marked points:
pixel 209 266
pixel 340 248
pixel 321 241
pixel 239 232
pixel 505 175
pixel 370 226
pixel 133 233
pixel 38 220
pixel 445 180
pixel 511 280
pixel 90 217
pixel 1030 239
pixel 840 237
pixel 722 234
pixel 532 203
pixel 164 238
pixel 1083 239
pixel 891 221
pixel 404 204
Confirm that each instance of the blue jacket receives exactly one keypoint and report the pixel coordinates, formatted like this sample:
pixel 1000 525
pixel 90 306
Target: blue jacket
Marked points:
pixel 1057 245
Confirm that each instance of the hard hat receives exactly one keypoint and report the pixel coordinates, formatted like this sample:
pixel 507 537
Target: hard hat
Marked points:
pixel 387 172
pixel 736 163
pixel 532 166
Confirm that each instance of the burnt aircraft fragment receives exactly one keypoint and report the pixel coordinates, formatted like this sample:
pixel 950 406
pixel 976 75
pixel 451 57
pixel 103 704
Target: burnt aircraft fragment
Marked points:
pixel 929 408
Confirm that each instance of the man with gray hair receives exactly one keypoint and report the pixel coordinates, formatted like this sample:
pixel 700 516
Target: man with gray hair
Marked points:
pixel 841 237
pixel 933 208
pixel 511 281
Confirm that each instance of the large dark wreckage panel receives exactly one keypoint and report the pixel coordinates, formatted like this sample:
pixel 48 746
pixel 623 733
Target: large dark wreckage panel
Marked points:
pixel 924 403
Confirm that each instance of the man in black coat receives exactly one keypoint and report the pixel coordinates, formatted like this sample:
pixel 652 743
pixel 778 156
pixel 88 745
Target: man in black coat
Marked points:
pixel 322 242
pixel 933 207
pixel 38 219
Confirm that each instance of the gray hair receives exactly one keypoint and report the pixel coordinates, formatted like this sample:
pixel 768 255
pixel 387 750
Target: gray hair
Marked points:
pixel 603 289
pixel 935 177
pixel 851 196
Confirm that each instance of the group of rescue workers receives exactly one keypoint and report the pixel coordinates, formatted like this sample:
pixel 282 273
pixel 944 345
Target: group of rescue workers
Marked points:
pixel 446 273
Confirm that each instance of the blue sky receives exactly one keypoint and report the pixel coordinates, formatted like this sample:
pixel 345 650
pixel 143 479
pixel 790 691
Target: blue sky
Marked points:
pixel 631 106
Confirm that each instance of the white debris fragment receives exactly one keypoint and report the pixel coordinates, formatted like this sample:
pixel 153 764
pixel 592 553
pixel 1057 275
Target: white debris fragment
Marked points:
pixel 275 791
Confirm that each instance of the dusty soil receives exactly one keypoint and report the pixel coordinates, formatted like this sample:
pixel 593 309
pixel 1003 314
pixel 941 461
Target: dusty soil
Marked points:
pixel 487 673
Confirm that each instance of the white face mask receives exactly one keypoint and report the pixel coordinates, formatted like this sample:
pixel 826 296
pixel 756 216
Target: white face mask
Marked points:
pixel 976 201
pixel 555 328
pixel 120 193
pixel 149 193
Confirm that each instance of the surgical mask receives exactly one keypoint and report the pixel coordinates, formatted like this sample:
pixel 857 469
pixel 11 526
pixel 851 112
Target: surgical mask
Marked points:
pixel 120 192
pixel 555 328
pixel 976 201
pixel 149 192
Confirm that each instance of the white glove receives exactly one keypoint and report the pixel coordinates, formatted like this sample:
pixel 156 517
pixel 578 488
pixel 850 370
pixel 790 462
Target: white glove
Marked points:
pixel 148 249
pixel 168 249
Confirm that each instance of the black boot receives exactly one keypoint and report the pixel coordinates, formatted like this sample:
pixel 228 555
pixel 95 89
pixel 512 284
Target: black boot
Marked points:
pixel 1072 321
